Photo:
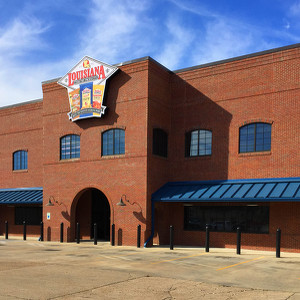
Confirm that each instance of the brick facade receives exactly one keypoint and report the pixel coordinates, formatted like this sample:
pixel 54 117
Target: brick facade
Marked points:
pixel 141 96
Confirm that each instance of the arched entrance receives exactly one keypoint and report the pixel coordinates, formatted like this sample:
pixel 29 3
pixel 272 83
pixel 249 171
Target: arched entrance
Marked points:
pixel 93 207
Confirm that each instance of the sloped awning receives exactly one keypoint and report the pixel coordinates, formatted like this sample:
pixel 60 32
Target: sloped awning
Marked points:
pixel 21 196
pixel 245 190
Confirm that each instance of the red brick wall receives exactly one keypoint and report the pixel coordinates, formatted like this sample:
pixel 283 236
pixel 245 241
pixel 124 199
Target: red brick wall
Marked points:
pixel 139 97
pixel 222 98
pixel 21 129
pixel 126 101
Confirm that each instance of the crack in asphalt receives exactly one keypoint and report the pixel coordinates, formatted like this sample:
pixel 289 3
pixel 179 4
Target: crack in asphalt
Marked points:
pixel 98 287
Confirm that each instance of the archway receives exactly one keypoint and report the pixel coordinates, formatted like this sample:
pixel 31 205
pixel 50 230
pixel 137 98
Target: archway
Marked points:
pixel 93 207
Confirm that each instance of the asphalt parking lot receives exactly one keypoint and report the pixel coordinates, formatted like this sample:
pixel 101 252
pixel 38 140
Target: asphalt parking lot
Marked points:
pixel 50 270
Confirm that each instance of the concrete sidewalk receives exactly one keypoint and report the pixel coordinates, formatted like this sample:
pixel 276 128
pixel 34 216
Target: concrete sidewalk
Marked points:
pixel 50 270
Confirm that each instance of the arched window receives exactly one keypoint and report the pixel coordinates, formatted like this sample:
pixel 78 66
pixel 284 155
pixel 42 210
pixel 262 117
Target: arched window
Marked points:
pixel 255 137
pixel 113 142
pixel 160 142
pixel 20 160
pixel 70 146
pixel 198 143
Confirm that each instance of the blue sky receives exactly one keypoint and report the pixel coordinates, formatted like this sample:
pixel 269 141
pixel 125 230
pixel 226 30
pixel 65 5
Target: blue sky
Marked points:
pixel 42 39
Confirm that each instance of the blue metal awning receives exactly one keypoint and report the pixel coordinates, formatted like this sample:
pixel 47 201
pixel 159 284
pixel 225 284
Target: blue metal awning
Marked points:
pixel 21 196
pixel 244 190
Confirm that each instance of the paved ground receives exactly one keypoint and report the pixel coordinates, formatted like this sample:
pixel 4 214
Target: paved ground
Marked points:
pixel 49 270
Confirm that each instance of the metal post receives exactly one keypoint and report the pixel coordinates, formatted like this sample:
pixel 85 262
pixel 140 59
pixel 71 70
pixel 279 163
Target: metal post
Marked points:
pixel 77 233
pixel 171 237
pixel 24 230
pixel 95 234
pixel 42 232
pixel 278 240
pixel 207 239
pixel 6 230
pixel 238 243
pixel 113 234
pixel 139 236
pixel 61 232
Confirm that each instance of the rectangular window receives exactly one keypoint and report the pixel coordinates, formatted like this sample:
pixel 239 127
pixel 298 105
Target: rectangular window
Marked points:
pixel 20 159
pixel 70 146
pixel 198 143
pixel 113 142
pixel 160 142
pixel 251 219
pixel 31 215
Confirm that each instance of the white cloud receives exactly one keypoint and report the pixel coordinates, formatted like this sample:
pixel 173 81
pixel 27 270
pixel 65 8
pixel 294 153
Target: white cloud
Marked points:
pixel 295 9
pixel 222 40
pixel 17 79
pixel 115 29
pixel 21 36
pixel 175 46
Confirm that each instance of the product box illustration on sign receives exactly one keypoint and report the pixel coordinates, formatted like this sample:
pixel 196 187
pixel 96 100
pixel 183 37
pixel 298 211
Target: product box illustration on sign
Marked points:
pixel 86 85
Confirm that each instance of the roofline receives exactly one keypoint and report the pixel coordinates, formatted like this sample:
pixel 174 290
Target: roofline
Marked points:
pixel 128 62
pixel 250 180
pixel 22 189
pixel 21 104
pixel 237 58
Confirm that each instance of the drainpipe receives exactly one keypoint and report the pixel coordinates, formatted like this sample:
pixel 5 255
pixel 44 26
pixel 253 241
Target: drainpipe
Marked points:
pixel 152 225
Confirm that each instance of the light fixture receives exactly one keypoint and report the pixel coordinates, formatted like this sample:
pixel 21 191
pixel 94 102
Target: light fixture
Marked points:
pixel 121 203
pixel 51 201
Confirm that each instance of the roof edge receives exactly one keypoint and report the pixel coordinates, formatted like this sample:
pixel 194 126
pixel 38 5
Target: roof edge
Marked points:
pixel 22 189
pixel 262 180
pixel 237 58
pixel 21 104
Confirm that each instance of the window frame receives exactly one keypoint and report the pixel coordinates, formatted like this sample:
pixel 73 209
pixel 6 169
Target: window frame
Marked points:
pixel 20 163
pixel 255 137
pixel 117 142
pixel 188 143
pixel 72 145
pixel 160 142
pixel 251 219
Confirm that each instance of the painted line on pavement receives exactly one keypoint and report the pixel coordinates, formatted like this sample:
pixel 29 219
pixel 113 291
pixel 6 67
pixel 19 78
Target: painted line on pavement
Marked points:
pixel 178 258
pixel 244 262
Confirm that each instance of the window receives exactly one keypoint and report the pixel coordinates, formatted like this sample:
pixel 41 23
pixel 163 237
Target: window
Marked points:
pixel 31 215
pixel 70 146
pixel 160 142
pixel 20 160
pixel 198 143
pixel 255 137
pixel 113 142
pixel 251 219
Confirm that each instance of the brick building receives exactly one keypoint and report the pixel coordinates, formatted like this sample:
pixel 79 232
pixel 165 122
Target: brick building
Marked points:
pixel 213 145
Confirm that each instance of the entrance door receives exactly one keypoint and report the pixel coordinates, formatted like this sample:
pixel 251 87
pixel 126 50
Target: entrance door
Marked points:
pixel 100 215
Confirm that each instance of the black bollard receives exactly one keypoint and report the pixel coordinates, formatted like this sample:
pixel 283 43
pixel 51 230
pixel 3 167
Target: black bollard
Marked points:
pixel 238 242
pixel 77 233
pixel 207 239
pixel 95 234
pixel 6 230
pixel 139 236
pixel 113 234
pixel 24 230
pixel 171 237
pixel 42 232
pixel 278 240
pixel 61 232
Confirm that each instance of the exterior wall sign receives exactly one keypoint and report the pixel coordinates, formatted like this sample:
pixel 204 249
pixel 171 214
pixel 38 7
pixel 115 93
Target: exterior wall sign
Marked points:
pixel 86 85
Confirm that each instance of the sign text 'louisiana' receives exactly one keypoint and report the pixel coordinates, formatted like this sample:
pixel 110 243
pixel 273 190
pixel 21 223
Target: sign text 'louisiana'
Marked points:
pixel 86 85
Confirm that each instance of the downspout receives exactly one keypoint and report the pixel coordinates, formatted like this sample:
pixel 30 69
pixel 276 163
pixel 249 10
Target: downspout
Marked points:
pixel 152 225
